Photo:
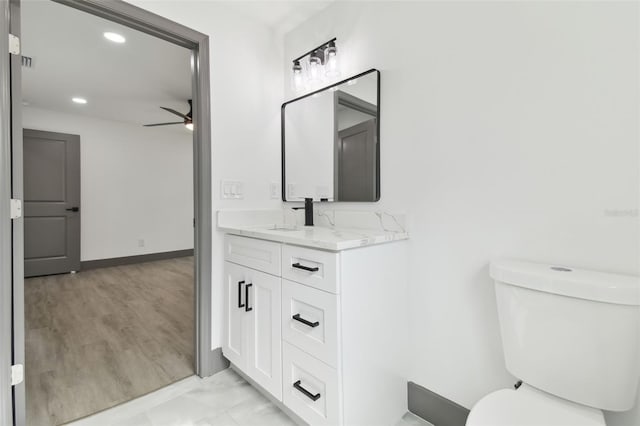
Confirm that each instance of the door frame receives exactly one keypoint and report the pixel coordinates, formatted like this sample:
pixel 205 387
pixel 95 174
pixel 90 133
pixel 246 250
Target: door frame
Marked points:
pixel 207 362
pixel 6 288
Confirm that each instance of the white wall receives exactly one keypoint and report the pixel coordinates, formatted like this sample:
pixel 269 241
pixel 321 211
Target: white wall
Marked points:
pixel 246 94
pixel 136 184
pixel 507 129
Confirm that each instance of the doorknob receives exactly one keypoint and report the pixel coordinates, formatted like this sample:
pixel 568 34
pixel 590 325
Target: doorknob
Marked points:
pixel 73 209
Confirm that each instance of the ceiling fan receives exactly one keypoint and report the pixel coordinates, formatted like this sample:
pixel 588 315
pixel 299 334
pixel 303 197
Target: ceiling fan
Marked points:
pixel 187 120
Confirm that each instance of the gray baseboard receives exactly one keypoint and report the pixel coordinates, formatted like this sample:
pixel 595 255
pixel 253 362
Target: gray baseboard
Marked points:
pixel 217 361
pixel 130 260
pixel 434 408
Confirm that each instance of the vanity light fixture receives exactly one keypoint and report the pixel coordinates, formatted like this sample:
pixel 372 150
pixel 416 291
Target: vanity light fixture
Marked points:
pixel 315 67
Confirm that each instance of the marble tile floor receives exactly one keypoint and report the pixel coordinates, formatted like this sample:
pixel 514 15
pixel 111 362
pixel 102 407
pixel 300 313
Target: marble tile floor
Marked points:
pixel 224 399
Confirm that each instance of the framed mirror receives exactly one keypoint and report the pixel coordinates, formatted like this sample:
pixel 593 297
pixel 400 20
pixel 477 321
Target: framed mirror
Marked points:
pixel 331 142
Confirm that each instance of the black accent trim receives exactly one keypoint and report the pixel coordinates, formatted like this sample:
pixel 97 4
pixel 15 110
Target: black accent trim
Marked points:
pixel 246 298
pixel 298 318
pixel 325 44
pixel 240 304
pixel 306 393
pixel 282 135
pixel 130 260
pixel 434 408
pixel 305 268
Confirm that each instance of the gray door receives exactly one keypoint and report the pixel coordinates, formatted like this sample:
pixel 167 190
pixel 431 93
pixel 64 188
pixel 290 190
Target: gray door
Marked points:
pixel 51 202
pixel 356 158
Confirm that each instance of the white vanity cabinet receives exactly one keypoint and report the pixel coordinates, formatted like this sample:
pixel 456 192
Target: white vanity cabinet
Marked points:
pixel 325 332
pixel 252 314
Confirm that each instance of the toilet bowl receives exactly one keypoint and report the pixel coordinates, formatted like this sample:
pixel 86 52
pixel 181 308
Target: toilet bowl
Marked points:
pixel 528 406
pixel 572 337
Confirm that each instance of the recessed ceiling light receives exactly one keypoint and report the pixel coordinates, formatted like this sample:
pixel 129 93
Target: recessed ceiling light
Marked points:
pixel 115 37
pixel 79 100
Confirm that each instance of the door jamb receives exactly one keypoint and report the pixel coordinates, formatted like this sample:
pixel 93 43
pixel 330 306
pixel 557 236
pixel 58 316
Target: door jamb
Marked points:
pixel 6 304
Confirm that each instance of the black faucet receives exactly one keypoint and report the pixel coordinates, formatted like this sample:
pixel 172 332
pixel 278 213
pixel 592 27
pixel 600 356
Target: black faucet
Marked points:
pixel 308 211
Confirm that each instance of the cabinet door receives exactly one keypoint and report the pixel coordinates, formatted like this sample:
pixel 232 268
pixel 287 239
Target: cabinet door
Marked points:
pixel 236 342
pixel 264 364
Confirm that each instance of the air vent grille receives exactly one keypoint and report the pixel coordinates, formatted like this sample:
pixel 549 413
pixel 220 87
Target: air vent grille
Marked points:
pixel 27 61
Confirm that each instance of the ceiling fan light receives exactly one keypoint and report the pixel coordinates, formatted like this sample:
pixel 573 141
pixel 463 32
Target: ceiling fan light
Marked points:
pixel 114 37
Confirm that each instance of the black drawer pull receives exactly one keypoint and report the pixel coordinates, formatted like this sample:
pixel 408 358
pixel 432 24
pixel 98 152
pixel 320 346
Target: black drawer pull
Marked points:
pixel 306 393
pixel 297 317
pixel 73 209
pixel 306 268
pixel 246 298
pixel 240 304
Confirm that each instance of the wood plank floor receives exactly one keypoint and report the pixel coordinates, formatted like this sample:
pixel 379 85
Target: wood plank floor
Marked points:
pixel 98 338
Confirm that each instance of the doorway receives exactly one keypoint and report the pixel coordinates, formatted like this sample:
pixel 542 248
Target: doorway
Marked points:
pixel 11 154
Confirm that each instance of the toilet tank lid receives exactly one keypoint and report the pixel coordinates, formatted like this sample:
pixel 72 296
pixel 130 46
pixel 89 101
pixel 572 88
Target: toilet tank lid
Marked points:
pixel 579 283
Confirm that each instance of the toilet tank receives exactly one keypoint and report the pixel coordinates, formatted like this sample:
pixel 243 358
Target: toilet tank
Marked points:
pixel 569 332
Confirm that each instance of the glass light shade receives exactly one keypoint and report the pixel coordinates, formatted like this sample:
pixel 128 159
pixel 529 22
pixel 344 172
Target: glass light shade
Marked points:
pixel 332 68
pixel 297 80
pixel 314 69
pixel 189 126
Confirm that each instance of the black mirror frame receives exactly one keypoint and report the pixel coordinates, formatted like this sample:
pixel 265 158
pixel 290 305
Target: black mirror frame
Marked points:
pixel 282 135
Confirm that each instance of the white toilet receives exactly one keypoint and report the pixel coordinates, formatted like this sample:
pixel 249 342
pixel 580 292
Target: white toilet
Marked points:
pixel 572 337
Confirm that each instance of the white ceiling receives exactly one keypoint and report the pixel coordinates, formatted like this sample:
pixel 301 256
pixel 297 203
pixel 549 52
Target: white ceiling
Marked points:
pixel 123 82
pixel 282 16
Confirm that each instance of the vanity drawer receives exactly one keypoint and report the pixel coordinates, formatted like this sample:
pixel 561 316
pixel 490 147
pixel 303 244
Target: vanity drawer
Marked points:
pixel 310 387
pixel 314 268
pixel 257 254
pixel 310 321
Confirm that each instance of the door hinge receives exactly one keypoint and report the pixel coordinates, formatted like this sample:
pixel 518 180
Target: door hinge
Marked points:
pixel 17 374
pixel 16 208
pixel 14 45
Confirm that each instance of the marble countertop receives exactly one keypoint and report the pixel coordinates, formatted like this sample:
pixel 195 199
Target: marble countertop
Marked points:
pixel 334 239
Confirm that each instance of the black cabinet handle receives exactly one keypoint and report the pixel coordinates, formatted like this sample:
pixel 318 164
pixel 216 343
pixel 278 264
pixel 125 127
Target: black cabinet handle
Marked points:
pixel 306 268
pixel 73 209
pixel 240 304
pixel 297 317
pixel 306 393
pixel 246 298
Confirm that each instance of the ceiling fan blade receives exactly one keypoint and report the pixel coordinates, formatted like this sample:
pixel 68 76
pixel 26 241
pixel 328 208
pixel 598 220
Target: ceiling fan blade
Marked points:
pixel 163 124
pixel 173 111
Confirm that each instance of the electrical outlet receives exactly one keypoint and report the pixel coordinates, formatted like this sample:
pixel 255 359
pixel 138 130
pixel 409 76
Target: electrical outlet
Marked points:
pixel 141 243
pixel 274 190
pixel 291 191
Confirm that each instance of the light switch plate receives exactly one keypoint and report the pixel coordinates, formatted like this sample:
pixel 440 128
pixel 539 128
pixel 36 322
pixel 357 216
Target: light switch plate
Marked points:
pixel 231 190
